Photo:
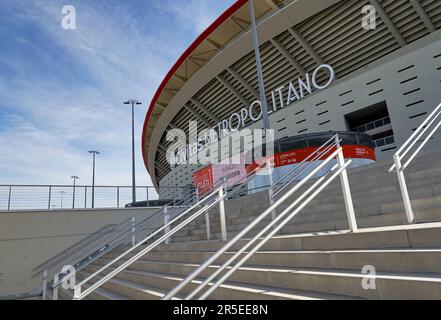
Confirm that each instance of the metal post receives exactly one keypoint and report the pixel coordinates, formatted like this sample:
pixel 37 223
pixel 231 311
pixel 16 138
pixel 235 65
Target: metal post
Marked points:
pixel 147 188
pixel 133 232
pixel 77 292
pixel 49 199
pixel 207 225
pixel 166 220
pixel 43 294
pixel 262 95
pixel 117 197
pixel 93 182
pixel 270 192
pixel 73 193
pixel 85 197
pixel 9 198
pixel 133 153
pixel 222 214
pixel 404 192
pixel 346 190
pixel 55 290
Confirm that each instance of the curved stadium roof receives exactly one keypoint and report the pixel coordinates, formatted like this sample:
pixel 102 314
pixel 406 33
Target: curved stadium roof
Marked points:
pixel 216 75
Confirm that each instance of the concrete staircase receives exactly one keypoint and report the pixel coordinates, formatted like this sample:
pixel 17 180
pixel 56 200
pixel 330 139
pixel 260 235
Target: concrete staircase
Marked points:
pixel 327 265
pixel 375 192
pixel 314 257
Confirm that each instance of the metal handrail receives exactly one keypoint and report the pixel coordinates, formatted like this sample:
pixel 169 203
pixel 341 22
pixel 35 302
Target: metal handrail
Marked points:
pixel 316 188
pixel 79 253
pixel 311 162
pixel 69 250
pixel 127 232
pixel 279 186
pixel 97 247
pixel 91 257
pixel 384 123
pixel 406 148
pixel 78 295
pixel 91 252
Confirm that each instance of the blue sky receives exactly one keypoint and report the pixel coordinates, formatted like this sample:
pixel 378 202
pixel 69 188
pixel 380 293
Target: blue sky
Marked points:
pixel 61 91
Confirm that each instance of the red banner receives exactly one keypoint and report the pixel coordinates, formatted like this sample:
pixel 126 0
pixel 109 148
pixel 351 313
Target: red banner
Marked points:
pixel 203 179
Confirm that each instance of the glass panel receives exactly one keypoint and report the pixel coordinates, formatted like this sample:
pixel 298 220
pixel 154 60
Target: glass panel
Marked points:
pixel 380 143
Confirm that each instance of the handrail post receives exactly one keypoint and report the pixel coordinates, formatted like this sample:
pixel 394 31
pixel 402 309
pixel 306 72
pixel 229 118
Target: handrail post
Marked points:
pixel 404 192
pixel 55 290
pixel 117 197
pixel 166 220
pixel 43 294
pixel 133 232
pixel 77 292
pixel 222 214
pixel 346 189
pixel 49 199
pixel 207 224
pixel 9 198
pixel 270 191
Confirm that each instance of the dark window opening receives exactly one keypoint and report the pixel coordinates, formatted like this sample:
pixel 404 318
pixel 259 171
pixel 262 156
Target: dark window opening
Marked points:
pixel 375 121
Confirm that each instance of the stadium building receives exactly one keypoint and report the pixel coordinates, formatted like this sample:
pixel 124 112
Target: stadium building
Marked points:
pixel 324 70
pixel 348 83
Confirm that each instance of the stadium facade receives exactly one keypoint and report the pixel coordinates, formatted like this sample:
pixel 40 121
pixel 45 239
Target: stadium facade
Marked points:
pixel 323 72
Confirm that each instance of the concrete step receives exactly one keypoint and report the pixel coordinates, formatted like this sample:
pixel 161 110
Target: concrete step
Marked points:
pixel 334 282
pixel 390 260
pixel 129 279
pixel 127 290
pixel 318 223
pixel 424 236
pixel 98 294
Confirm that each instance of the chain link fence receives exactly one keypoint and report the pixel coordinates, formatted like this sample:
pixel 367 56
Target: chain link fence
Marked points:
pixel 55 197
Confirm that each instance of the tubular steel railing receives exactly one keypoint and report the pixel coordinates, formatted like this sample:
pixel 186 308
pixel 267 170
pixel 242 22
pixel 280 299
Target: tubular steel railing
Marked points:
pixel 208 202
pixel 56 197
pixel 276 224
pixel 409 150
pixel 96 245
pixel 110 237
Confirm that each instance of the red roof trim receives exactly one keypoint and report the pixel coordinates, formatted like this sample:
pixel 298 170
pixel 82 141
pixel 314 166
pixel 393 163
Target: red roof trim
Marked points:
pixel 236 6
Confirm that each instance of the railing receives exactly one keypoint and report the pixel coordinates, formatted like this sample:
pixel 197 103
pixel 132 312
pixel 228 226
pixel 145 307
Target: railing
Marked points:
pixel 339 169
pixel 56 197
pixel 384 141
pixel 96 245
pixel 208 202
pixel 409 150
pixel 373 125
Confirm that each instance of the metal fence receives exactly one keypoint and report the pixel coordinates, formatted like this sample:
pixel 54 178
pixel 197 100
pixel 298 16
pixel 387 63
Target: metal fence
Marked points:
pixel 55 197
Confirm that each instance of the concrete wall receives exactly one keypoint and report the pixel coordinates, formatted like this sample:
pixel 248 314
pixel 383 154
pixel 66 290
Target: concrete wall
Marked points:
pixel 30 238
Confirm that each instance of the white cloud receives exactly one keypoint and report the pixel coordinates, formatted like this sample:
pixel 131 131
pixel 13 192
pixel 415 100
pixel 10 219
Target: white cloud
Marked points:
pixel 52 123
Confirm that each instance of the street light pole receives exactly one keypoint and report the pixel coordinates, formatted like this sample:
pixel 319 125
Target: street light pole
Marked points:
pixel 73 193
pixel 263 101
pixel 133 102
pixel 262 94
pixel 94 153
